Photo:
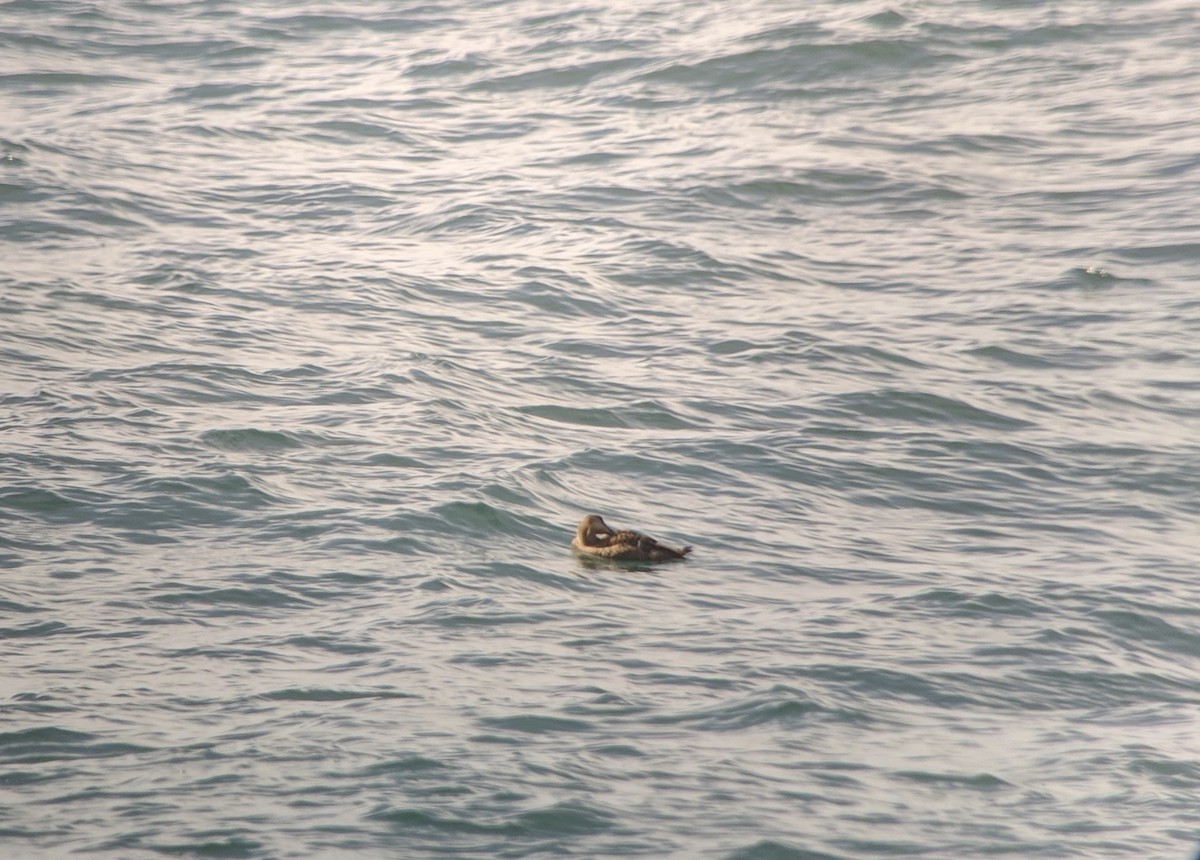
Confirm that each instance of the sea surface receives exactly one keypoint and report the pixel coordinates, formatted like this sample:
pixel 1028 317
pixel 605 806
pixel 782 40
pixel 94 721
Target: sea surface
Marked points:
pixel 322 325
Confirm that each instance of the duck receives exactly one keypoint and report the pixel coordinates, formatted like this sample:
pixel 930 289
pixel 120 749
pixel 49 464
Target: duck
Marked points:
pixel 595 539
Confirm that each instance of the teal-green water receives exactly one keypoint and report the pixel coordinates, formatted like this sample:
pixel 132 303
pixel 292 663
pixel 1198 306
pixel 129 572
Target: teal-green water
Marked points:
pixel 322 326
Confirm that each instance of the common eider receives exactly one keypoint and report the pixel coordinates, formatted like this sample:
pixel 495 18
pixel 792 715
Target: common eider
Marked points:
pixel 595 539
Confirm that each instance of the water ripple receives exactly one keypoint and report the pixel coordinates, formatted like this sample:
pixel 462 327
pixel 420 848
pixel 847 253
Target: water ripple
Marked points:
pixel 322 327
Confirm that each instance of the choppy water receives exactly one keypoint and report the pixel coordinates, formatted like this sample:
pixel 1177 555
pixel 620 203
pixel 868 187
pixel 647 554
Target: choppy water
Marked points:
pixel 322 325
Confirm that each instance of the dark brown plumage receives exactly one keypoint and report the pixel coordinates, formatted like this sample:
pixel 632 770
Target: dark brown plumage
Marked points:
pixel 595 539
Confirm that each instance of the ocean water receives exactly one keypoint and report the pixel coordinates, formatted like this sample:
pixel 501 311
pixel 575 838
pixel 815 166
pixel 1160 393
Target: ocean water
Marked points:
pixel 321 325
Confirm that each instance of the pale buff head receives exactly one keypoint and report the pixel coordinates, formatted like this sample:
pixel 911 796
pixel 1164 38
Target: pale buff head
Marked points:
pixel 593 531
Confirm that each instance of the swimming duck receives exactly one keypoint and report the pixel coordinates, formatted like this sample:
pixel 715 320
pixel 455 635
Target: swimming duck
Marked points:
pixel 594 538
